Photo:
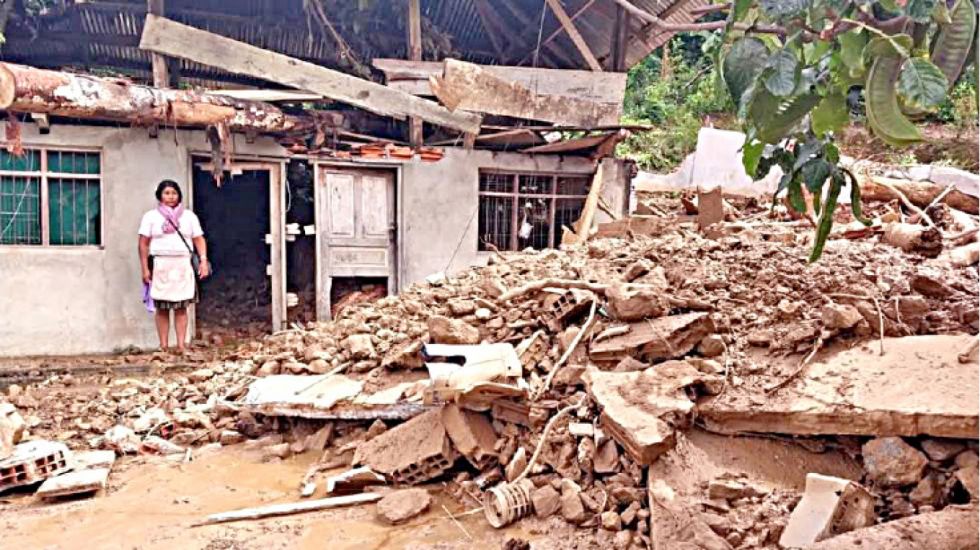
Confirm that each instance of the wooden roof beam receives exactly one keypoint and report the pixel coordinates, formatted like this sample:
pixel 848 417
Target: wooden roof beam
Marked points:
pixel 161 35
pixel 580 43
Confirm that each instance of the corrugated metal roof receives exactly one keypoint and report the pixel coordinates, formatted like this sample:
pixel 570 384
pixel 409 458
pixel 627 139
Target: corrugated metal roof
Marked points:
pixel 104 33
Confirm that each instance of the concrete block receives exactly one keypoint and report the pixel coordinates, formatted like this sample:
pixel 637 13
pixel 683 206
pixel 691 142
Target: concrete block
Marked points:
pixel 74 483
pixel 830 506
pixel 410 453
pixel 33 461
pixel 471 433
pixel 90 460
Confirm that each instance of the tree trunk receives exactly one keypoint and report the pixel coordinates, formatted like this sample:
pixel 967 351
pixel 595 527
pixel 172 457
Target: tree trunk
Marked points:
pixel 32 90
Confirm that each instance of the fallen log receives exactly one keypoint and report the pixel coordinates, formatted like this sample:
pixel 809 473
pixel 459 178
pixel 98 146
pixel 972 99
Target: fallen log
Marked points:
pixel 952 528
pixel 919 193
pixel 289 508
pixel 32 90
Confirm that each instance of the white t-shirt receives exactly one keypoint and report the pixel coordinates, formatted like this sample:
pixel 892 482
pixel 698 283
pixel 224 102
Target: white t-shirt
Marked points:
pixel 170 244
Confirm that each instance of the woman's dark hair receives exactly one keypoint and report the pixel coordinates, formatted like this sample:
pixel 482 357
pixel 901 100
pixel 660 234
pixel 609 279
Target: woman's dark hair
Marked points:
pixel 171 184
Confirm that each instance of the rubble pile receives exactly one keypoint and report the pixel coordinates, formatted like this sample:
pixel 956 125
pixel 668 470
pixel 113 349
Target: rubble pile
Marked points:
pixel 555 379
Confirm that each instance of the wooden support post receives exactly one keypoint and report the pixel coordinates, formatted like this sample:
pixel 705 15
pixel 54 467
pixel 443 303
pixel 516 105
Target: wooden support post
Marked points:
pixel 573 33
pixel 161 74
pixel 415 136
pixel 620 41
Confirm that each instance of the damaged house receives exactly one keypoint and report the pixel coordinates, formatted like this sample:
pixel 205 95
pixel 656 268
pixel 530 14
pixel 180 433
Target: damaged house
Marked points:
pixel 328 147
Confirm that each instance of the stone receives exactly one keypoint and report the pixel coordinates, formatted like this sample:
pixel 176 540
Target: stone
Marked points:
pixel 941 450
pixel 545 500
pixel 969 478
pixel 443 330
pixel 459 308
pixel 318 366
pixel 611 521
pixel 483 314
pixel 711 345
pixel 201 375
pixel 279 450
pixel 411 452
pixel 632 303
pixel 623 540
pixel 830 506
pixel 928 492
pixel 732 489
pixel 517 464
pixel 359 346
pixel 572 508
pixel 967 459
pixel 840 316
pixel 230 437
pixel 891 462
pixel 401 506
pixel 606 459
pixel 950 528
pixel 929 282
pixel 12 427
pixel 630 513
pixel 966 182
pixel 161 446
pixel 122 440
pixel 269 368
pixel 377 428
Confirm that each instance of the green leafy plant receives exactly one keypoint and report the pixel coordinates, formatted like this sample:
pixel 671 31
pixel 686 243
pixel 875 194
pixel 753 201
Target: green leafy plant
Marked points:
pixel 790 84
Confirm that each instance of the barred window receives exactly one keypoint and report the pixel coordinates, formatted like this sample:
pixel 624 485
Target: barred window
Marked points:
pixel 51 197
pixel 521 210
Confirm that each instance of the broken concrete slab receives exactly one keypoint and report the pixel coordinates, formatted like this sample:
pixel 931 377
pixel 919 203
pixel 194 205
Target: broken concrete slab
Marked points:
pixel 32 462
pixel 410 453
pixel 401 506
pixel 642 410
pixel 830 506
pixel 917 388
pixel 471 433
pixel 953 528
pixel 632 303
pixel 656 339
pixel 545 500
pixel 443 330
pixel 325 396
pixel 74 483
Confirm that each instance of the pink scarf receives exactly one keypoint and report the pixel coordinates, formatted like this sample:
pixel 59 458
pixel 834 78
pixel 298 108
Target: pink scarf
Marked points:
pixel 171 215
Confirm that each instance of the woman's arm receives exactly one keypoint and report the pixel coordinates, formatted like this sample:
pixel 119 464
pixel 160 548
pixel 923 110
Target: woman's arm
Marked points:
pixel 202 251
pixel 144 251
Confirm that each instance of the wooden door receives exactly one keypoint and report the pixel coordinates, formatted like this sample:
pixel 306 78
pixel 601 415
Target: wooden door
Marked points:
pixel 355 227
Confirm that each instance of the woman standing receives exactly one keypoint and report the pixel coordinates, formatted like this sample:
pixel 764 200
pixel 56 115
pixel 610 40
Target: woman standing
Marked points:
pixel 166 235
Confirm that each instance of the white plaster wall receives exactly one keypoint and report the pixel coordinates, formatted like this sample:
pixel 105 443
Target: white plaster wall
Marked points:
pixel 66 300
pixel 439 203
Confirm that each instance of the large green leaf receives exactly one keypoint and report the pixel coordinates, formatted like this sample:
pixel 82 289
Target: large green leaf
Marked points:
pixel 815 172
pixel 830 115
pixel 751 153
pixel 922 84
pixel 773 118
pixel 898 45
pixel 851 46
pixel 783 72
pixel 742 65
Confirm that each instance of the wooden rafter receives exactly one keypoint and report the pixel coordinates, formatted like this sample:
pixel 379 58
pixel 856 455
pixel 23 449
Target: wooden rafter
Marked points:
pixel 522 44
pixel 547 42
pixel 580 43
pixel 485 19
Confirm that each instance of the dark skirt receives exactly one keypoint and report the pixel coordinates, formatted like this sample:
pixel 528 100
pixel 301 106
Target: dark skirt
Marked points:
pixel 167 306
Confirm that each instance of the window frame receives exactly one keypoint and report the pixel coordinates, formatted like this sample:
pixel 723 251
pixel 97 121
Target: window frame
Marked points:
pixel 552 196
pixel 44 174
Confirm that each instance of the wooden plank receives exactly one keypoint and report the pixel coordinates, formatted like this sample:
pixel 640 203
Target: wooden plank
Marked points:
pixel 468 87
pixel 164 36
pixel 568 145
pixel 580 43
pixel 268 96
pixel 584 224
pixel 161 76
pixel 291 508
pixel 610 88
